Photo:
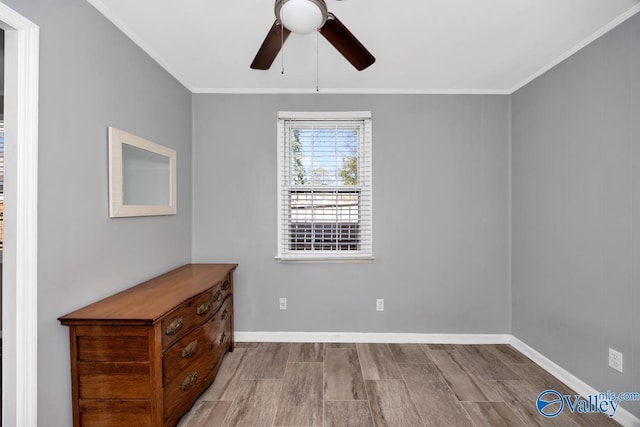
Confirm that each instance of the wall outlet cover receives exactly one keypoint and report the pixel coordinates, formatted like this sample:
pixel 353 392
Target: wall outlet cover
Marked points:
pixel 615 360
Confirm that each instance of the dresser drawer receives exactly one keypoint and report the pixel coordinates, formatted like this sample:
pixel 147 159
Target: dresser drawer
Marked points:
pixel 220 292
pixel 224 316
pixel 185 317
pixel 193 312
pixel 209 338
pixel 185 388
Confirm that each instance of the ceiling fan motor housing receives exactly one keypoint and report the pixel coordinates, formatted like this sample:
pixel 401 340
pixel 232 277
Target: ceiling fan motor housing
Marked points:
pixel 301 16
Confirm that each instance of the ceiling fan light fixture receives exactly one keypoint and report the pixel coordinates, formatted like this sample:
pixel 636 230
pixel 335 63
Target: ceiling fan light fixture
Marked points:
pixel 301 16
pixel 306 16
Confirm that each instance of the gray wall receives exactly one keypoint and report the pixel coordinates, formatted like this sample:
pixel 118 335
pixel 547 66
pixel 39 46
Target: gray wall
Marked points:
pixel 635 209
pixel 92 76
pixel 2 63
pixel 441 229
pixel 576 205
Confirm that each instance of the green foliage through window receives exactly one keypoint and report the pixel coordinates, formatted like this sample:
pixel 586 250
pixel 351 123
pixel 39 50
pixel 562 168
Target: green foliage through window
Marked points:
pixel 324 156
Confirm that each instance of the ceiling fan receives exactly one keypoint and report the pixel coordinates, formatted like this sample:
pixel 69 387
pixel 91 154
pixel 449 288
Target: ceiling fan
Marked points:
pixel 305 16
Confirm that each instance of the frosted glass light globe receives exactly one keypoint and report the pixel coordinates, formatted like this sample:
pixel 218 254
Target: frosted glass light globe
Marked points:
pixel 301 16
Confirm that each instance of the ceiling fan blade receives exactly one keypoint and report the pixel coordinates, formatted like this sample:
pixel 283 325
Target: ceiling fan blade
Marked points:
pixel 270 47
pixel 346 43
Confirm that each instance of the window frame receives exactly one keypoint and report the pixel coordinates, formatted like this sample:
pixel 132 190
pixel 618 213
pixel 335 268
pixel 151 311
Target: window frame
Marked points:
pixel 361 119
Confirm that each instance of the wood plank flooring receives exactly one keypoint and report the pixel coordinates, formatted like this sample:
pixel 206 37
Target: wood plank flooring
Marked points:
pixel 352 385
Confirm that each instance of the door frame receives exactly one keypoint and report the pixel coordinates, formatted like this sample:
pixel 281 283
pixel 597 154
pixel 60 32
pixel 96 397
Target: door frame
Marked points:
pixel 20 263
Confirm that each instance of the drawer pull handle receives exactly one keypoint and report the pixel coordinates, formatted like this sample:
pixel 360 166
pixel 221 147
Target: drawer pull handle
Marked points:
pixel 203 309
pixel 225 285
pixel 225 314
pixel 223 338
pixel 174 326
pixel 190 349
pixel 217 297
pixel 188 382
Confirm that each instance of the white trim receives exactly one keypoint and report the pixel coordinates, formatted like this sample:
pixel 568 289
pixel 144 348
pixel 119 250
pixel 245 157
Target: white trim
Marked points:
pixel 599 33
pixel 26 221
pixel 351 119
pixel 280 150
pixel 323 259
pixel 119 23
pixel 347 91
pixel 319 115
pixel 510 214
pixel 371 337
pixel 622 416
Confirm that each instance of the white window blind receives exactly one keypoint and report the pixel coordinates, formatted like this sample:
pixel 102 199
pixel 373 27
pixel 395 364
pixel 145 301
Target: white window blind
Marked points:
pixel 324 186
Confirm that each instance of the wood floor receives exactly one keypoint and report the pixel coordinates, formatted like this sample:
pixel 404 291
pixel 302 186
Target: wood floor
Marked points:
pixel 351 385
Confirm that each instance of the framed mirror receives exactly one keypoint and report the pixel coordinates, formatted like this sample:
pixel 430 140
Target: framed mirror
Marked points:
pixel 142 176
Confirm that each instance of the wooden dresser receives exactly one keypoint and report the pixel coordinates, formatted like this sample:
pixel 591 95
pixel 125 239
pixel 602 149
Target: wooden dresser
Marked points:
pixel 143 356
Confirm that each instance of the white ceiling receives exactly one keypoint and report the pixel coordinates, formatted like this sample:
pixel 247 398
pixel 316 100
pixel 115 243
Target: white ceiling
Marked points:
pixel 421 46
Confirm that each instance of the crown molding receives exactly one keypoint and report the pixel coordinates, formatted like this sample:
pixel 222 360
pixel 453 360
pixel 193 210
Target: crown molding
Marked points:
pixel 596 35
pixel 115 20
pixel 349 91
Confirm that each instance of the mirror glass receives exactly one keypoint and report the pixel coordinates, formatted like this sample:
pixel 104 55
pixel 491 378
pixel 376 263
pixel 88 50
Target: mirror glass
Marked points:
pixel 145 177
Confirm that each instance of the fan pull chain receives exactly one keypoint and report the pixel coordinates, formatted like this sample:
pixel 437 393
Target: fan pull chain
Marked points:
pixel 317 61
pixel 282 47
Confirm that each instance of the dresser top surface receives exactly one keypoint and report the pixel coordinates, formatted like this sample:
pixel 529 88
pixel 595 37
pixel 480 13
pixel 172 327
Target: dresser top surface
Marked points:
pixel 150 300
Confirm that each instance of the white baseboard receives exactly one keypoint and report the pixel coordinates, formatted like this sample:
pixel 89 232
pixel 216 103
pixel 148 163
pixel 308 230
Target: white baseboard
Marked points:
pixel 371 337
pixel 622 416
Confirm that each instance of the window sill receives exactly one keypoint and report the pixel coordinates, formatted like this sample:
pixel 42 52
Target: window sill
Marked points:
pixel 325 259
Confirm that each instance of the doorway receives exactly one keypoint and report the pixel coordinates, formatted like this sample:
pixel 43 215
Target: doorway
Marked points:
pixel 20 267
pixel 1 188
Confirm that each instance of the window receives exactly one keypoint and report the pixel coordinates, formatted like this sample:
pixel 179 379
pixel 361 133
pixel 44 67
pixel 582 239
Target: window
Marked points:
pixel 324 186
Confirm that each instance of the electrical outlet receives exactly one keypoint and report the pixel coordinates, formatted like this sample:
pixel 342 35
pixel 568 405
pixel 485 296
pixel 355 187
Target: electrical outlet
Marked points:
pixel 615 360
pixel 283 303
pixel 380 304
